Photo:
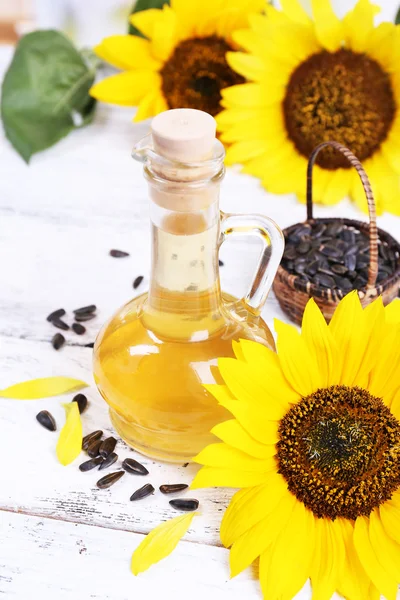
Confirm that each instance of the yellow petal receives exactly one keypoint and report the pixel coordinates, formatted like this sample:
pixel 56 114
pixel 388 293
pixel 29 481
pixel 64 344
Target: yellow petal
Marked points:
pixel 245 95
pixel 287 567
pixel 242 151
pixel 367 555
pixel 390 517
pixel 42 388
pixel 386 550
pixel 127 52
pixel 384 378
pixel 380 45
pixel 225 457
pixel 251 67
pixel 338 188
pixel 298 364
pixel 150 105
pixel 232 433
pixel 237 350
pixel 329 560
pixel 295 11
pixel 328 28
pixel 358 25
pixel 392 312
pixel 249 506
pixel 215 477
pixel 144 20
pixel 69 443
pixel 253 542
pixel 126 89
pixel 320 342
pixel 353 581
pixel 160 542
pixel 164 35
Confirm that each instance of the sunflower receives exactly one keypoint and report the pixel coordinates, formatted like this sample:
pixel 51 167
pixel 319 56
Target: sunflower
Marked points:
pixel 311 81
pixel 182 61
pixel 315 446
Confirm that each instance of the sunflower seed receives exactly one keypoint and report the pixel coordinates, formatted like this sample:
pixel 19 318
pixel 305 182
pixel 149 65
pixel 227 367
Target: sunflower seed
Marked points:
pixel 137 281
pixel 109 480
pixel 85 310
pixel 46 420
pixel 56 314
pixel 329 250
pixel 350 262
pixel 110 460
pixel 93 448
pixel 86 317
pixel 143 492
pixel 319 229
pixel 290 253
pixel 333 229
pixel 91 437
pixel 172 488
pixel 107 446
pixel 185 504
pixel 118 253
pixel 324 280
pixel 78 328
pixel 60 324
pixel 220 263
pixel 348 236
pixel 57 341
pixel 81 400
pixel 351 250
pixel 91 464
pixel 339 269
pixel 303 247
pixel 343 283
pixel 133 466
pixel 90 345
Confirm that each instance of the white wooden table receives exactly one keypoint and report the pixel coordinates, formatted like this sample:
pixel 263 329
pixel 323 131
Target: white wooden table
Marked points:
pixel 60 536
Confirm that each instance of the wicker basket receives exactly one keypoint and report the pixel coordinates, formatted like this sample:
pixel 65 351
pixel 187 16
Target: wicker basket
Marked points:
pixel 293 292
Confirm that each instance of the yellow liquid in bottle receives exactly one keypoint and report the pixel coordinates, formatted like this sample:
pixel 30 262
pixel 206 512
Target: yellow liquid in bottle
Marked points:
pixel 152 359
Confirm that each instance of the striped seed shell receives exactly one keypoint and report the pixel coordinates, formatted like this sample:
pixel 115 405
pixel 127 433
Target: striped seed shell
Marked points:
pixel 91 437
pixel 93 448
pixel 88 465
pixel 172 488
pixel 133 466
pixel 185 504
pixel 143 492
pixel 110 460
pixel 109 480
pixel 107 446
pixel 46 420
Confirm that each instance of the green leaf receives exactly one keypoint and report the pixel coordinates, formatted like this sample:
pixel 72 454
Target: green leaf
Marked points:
pixel 397 19
pixel 45 387
pixel 144 5
pixel 45 92
pixel 69 443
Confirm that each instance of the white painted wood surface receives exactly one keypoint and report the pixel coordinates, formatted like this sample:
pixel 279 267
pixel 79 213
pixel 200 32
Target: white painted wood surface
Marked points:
pixel 61 537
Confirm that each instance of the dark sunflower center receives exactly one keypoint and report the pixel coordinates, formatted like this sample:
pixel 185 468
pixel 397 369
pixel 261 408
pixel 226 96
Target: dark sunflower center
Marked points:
pixel 339 451
pixel 196 73
pixel 342 96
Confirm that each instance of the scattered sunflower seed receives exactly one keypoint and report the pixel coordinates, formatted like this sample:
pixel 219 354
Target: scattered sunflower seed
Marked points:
pixel 220 262
pixel 118 253
pixel 137 281
pixel 78 328
pixel 60 324
pixel 172 488
pixel 56 314
pixel 91 437
pixel 46 420
pixel 85 317
pixel 134 467
pixel 57 341
pixel 93 448
pixel 109 480
pixel 90 345
pixel 110 460
pixel 185 465
pixel 91 464
pixel 143 492
pixel 81 400
pixel 85 310
pixel 107 446
pixel 185 504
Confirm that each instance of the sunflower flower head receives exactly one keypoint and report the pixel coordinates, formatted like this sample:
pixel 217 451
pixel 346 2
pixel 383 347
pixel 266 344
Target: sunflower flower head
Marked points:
pixel 314 445
pixel 314 80
pixel 181 61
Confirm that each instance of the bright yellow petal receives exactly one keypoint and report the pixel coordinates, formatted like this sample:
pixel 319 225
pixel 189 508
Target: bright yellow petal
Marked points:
pixel 367 555
pixel 339 187
pixel 380 44
pixel 386 550
pixel 253 542
pixel 214 477
pixel 298 364
pixel 353 581
pixel 249 506
pixel 390 517
pixel 150 106
pixel 164 35
pixel 242 151
pixel 251 67
pixel 249 95
pixel 45 387
pixel 392 312
pixel 385 182
pixel 126 89
pixel 328 28
pixel 145 20
pixel 160 542
pixel 358 25
pixel 225 457
pixel 187 16
pixel 232 433
pixel 69 443
pixel 328 560
pixel 295 11
pixel 127 52
pixel 384 378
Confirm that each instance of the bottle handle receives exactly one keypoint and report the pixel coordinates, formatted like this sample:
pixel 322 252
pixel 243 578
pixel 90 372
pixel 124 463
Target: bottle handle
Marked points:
pixel 273 245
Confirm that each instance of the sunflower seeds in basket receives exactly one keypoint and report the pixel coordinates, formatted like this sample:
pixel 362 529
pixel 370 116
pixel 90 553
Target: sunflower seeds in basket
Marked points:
pixel 172 488
pixel 109 480
pixel 107 446
pixel 133 466
pixel 143 492
pixel 185 504
pixel 110 460
pixel 93 448
pixel 60 324
pixel 57 341
pixel 46 420
pixel 118 253
pixel 81 400
pixel 85 310
pixel 78 328
pixel 137 281
pixel 91 464
pixel 56 314
pixel 91 437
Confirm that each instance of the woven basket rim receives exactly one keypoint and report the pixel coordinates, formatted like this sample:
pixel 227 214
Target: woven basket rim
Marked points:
pixel 314 289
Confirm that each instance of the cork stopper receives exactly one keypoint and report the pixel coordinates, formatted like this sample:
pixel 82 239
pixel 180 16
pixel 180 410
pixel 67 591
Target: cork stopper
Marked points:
pixel 184 134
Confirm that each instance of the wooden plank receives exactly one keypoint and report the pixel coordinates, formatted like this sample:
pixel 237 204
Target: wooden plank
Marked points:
pixel 48 559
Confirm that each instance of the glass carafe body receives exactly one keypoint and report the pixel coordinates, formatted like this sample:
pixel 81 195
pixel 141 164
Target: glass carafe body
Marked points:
pixel 152 359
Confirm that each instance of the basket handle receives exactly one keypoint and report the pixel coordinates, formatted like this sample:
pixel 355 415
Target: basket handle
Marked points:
pixel 373 230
